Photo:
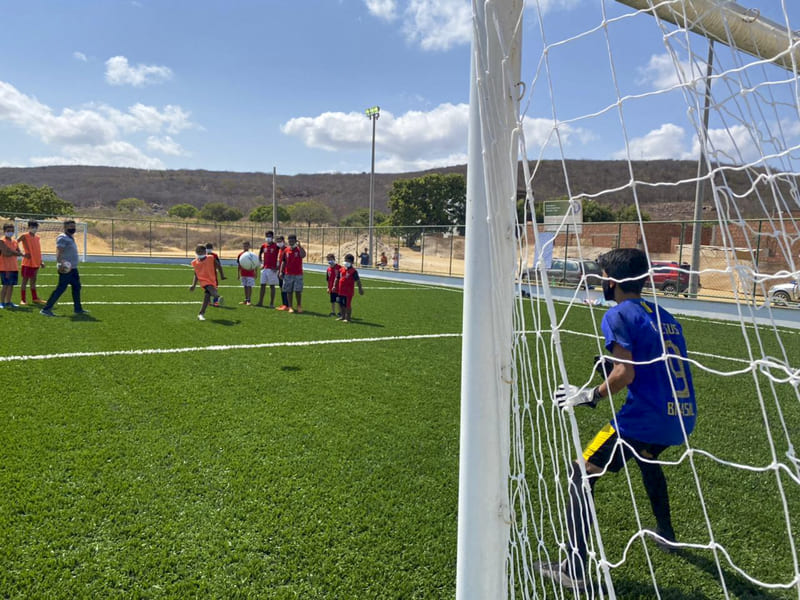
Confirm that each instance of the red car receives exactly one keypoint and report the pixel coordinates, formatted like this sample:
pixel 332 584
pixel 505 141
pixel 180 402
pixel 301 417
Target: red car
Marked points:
pixel 670 277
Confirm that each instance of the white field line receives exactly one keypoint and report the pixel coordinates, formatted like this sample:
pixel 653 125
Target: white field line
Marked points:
pixel 224 347
pixel 53 274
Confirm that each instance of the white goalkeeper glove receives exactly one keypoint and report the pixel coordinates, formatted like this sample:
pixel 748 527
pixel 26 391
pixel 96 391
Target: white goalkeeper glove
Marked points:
pixel 571 395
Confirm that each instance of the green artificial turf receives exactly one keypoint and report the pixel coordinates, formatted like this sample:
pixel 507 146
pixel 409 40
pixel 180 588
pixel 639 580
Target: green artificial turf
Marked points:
pixel 249 465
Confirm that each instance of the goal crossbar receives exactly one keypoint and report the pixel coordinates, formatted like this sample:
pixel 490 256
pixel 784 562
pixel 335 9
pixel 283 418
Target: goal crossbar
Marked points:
pixel 725 21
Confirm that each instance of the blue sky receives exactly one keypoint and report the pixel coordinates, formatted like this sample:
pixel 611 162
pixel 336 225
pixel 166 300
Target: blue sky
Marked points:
pixel 248 85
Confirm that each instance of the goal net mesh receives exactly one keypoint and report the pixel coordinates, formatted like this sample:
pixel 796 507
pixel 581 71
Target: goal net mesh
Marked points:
pixel 632 84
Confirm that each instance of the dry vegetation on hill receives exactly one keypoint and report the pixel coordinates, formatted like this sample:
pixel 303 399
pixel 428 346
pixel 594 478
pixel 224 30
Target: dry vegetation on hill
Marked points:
pixel 95 187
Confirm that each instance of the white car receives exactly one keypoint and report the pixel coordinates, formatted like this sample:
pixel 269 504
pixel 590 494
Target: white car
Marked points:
pixel 784 293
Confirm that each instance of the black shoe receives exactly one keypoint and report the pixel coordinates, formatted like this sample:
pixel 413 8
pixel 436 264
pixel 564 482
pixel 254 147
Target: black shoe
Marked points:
pixel 81 312
pixel 46 312
pixel 666 541
pixel 560 573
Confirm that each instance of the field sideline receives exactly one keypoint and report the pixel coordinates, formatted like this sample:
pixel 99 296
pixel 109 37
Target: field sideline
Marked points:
pixel 263 454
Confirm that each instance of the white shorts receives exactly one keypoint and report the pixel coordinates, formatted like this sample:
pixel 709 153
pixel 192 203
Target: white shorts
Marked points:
pixel 269 277
pixel 248 281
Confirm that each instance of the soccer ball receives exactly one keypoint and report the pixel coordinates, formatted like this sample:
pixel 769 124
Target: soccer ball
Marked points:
pixel 64 266
pixel 248 261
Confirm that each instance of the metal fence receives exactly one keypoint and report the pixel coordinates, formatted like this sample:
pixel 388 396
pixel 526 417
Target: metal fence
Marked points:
pixel 762 246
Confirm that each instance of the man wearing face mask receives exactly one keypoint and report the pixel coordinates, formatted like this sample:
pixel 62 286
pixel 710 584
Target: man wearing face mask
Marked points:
pixel 649 358
pixel 67 261
pixel 268 255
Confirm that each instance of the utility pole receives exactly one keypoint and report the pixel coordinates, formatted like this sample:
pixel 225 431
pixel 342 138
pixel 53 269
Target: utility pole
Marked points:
pixel 373 113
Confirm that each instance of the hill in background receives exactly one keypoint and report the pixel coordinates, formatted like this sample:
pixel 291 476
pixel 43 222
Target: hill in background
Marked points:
pixel 102 187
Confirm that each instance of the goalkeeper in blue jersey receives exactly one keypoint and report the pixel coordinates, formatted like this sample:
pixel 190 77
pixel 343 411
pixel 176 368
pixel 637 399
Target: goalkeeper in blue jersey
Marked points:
pixel 647 356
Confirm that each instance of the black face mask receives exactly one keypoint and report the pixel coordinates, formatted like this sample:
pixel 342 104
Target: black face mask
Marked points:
pixel 71 230
pixel 608 291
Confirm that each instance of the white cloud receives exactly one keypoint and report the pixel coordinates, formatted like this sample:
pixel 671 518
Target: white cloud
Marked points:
pixel 164 145
pixel 113 154
pixel 93 133
pixel 415 140
pixel 663 73
pixel 119 72
pixel 668 141
pixel 383 9
pixel 433 138
pixel 438 24
pixel 79 56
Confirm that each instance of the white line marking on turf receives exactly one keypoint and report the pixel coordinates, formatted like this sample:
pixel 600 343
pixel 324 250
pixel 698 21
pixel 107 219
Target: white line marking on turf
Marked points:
pixel 225 347
pixel 237 286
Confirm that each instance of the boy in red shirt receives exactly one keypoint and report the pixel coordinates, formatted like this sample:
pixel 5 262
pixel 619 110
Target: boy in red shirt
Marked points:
pixel 205 273
pixel 31 261
pixel 9 251
pixel 332 272
pixel 345 284
pixel 292 270
pixel 268 255
pixel 246 276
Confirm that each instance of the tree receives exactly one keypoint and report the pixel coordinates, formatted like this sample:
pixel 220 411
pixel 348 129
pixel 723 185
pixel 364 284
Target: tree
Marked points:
pixel 183 211
pixel 217 211
pixel 27 199
pixel 310 211
pixel 263 214
pixel 594 212
pixel 131 205
pixel 360 218
pixel 538 206
pixel 428 200
pixel 628 213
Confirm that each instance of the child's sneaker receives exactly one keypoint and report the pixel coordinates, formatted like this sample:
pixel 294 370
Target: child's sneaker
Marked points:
pixel 290 310
pixel 333 314
pixel 247 303
pixel 11 305
pixel 299 309
pixel 39 301
pixel 282 307
pixel 219 301
pixel 201 318
pixel 271 306
pixel 23 303
pixel 46 312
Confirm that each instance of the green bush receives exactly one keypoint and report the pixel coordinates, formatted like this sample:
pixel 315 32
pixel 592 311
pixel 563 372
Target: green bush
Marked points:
pixel 217 211
pixel 183 211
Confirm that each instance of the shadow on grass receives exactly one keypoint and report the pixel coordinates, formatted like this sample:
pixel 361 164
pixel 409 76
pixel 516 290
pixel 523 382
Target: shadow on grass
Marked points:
pixel 736 584
pixel 290 368
pixel 223 322
pixel 84 317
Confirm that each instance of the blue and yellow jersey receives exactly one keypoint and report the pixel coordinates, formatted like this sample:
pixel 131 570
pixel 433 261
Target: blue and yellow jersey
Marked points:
pixel 661 395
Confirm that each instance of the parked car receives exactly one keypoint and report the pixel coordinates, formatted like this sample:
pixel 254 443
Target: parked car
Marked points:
pixel 670 277
pixel 784 293
pixel 569 271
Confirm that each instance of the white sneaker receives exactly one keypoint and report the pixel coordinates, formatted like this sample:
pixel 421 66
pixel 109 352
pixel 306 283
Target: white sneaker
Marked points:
pixel 201 318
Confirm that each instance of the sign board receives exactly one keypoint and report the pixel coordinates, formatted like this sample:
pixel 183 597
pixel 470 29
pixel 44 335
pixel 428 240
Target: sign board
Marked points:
pixel 555 212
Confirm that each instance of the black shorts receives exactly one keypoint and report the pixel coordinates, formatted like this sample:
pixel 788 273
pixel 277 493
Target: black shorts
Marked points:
pixel 607 452
pixel 334 297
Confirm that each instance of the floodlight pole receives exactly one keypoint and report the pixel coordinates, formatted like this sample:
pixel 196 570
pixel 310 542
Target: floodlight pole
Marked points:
pixel 697 231
pixel 274 202
pixel 373 113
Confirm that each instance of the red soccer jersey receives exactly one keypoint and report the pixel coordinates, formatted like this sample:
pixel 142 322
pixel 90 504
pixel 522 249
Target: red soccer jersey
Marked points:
pixel 244 272
pixel 332 272
pixel 293 262
pixel 270 255
pixel 347 281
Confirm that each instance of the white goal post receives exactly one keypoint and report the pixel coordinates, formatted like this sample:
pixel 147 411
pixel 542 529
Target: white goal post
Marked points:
pixel 50 229
pixel 511 507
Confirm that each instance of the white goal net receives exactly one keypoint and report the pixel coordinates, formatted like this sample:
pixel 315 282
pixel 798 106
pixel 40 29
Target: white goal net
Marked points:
pixel 50 229
pixel 632 104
